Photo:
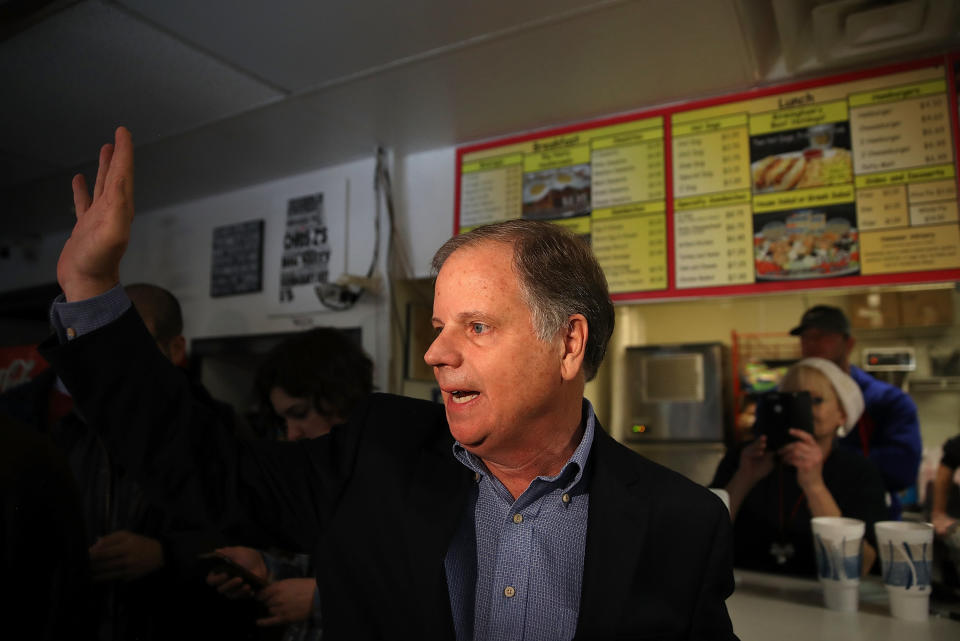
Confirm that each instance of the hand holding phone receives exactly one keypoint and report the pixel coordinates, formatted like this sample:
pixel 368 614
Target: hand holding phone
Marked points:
pixel 778 411
pixel 216 562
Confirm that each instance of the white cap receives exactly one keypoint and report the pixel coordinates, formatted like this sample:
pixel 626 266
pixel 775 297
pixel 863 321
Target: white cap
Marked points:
pixel 847 390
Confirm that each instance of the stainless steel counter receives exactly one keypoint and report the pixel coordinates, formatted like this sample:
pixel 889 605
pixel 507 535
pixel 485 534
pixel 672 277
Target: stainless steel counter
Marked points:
pixel 767 607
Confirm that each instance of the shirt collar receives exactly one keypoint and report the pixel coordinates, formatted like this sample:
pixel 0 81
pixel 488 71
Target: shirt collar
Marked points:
pixel 572 470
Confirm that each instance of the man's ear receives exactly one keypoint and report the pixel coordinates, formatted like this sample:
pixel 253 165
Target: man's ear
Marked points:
pixel 574 338
pixel 178 351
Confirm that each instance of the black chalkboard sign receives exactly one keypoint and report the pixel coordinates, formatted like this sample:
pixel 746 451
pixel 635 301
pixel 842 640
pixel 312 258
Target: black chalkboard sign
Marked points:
pixel 237 259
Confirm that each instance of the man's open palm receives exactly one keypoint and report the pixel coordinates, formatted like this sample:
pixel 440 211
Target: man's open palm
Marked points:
pixel 89 263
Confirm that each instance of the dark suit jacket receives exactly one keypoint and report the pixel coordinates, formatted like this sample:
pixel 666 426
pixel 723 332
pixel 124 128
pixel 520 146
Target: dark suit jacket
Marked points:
pixel 378 501
pixel 45 592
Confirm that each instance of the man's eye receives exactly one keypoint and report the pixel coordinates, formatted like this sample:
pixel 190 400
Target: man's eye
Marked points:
pixel 297 412
pixel 816 400
pixel 478 328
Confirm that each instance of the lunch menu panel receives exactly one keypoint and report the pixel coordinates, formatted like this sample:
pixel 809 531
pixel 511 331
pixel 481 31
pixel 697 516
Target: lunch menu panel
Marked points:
pixel 846 178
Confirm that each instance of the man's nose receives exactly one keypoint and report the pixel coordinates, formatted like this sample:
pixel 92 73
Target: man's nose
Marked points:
pixel 293 431
pixel 442 351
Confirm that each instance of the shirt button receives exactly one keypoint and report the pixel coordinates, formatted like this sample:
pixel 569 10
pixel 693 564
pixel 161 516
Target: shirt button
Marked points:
pixel 71 333
pixel 565 498
pixel 518 518
pixel 476 477
pixel 509 591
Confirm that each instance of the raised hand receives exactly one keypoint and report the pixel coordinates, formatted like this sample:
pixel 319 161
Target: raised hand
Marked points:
pixel 89 263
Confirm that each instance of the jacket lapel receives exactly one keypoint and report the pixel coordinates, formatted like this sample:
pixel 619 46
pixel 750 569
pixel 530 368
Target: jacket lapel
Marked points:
pixel 435 503
pixel 618 521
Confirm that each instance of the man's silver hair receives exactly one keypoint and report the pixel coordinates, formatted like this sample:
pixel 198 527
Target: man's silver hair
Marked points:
pixel 558 276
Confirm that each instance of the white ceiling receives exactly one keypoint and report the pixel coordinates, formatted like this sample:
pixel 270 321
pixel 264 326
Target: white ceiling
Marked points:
pixel 224 93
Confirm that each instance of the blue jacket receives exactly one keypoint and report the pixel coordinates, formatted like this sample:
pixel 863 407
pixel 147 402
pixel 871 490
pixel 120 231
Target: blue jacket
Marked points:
pixel 888 433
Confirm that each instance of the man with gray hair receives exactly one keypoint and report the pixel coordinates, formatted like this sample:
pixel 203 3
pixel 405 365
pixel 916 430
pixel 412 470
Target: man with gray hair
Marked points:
pixel 506 513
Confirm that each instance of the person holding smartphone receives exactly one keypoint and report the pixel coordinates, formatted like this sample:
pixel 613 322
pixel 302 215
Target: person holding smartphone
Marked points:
pixel 306 384
pixel 775 491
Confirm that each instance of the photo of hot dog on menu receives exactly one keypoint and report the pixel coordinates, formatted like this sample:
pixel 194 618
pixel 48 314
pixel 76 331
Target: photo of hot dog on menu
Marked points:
pixel 814 156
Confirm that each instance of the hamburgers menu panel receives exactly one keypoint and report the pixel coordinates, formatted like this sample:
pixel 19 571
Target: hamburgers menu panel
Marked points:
pixel 836 181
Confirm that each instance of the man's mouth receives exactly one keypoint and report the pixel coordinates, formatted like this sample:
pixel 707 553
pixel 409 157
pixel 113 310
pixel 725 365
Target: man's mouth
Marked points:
pixel 463 396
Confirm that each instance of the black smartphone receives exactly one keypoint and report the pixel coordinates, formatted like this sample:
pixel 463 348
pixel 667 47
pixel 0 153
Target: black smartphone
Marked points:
pixel 215 562
pixel 777 412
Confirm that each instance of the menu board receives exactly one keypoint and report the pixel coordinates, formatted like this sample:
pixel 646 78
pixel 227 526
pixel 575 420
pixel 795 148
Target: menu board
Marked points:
pixel 839 181
pixel 606 183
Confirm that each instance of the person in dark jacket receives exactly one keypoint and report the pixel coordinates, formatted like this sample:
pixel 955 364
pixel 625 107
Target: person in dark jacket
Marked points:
pixel 142 560
pixel 307 384
pixel 43 552
pixel 506 513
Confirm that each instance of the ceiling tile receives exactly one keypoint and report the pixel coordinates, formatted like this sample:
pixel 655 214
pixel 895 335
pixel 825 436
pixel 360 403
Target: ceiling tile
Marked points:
pixel 618 57
pixel 68 81
pixel 301 44
pixel 16 168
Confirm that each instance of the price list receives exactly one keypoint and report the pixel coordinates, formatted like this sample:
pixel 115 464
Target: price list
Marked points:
pixel 490 190
pixel 710 156
pixel 906 191
pixel 900 134
pixel 628 221
pixel 713 247
pixel 631 246
pixel 712 224
pixel 627 168
pixel 882 207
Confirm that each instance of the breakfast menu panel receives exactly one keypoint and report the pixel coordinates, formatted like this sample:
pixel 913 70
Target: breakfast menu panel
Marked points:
pixel 606 183
pixel 853 179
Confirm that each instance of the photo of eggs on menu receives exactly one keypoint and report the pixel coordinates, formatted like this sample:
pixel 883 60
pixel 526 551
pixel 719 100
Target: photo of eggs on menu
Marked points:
pixel 815 156
pixel 809 243
pixel 557 193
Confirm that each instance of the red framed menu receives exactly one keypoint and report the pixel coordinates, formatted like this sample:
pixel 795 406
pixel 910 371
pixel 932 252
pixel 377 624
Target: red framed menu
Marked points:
pixel 839 181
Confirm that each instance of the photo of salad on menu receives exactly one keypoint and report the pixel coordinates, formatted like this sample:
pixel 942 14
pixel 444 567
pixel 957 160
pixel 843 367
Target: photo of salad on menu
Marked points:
pixel 815 156
pixel 813 243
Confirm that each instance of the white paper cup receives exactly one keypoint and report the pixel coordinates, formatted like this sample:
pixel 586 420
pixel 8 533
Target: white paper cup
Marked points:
pixel 723 494
pixel 906 552
pixel 842 596
pixel 838 543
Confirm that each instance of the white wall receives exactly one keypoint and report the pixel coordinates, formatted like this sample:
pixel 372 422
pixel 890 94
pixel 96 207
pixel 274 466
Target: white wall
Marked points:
pixel 425 188
pixel 172 247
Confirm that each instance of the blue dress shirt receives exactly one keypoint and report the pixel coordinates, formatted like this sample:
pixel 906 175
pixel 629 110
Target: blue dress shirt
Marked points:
pixel 514 569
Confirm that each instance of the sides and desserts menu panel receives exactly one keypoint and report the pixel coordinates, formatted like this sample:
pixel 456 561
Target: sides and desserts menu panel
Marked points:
pixel 837 181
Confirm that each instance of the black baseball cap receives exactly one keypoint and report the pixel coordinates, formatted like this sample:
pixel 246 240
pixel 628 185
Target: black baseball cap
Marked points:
pixel 825 317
